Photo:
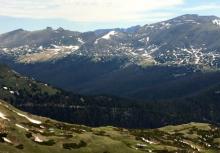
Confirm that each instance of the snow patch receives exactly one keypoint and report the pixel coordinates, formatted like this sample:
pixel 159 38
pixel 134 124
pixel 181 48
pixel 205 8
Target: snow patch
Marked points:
pixel 165 25
pixel 148 39
pixel 5 88
pixel 40 48
pixel 107 36
pixel 12 92
pixel 111 33
pixel 37 139
pixel 81 41
pixel 141 145
pixel 140 49
pixel 22 127
pixel 3 116
pixel 29 119
pixel 216 22
pixel 191 145
pixel 147 141
pixel 7 140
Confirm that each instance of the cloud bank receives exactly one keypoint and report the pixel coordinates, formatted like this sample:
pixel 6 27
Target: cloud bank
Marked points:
pixel 88 10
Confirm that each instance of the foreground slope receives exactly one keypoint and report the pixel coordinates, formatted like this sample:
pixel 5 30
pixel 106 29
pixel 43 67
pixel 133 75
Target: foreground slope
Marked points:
pixel 23 132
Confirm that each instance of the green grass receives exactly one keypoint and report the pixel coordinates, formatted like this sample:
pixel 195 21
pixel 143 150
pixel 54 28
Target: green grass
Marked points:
pixel 84 141
pixel 15 82
pixel 69 138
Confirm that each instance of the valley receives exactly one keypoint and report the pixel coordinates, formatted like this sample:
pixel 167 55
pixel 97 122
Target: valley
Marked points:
pixel 43 99
pixel 152 88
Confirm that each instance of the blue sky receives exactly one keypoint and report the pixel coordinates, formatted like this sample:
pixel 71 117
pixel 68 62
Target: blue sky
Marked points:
pixel 86 15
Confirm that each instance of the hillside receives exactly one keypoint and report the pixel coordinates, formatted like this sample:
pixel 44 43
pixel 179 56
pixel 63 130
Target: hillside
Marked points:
pixel 83 76
pixel 23 132
pixel 44 100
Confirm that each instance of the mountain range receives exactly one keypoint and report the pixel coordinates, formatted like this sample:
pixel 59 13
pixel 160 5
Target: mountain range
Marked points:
pixel 170 66
pixel 188 39
pixel 152 88
pixel 147 62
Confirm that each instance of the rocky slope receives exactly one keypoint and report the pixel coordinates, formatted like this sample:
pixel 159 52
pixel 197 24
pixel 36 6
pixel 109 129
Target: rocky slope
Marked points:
pixel 188 39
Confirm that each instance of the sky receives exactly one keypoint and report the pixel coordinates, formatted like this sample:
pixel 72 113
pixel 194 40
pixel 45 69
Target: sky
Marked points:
pixel 87 15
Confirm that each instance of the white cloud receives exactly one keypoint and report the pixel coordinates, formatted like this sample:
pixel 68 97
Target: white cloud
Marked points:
pixel 206 7
pixel 86 10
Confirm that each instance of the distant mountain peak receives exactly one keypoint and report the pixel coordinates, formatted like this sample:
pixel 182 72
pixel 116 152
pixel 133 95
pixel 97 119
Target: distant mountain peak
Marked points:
pixel 196 18
pixel 18 30
pixel 49 28
pixel 60 29
pixel 189 16
pixel 15 32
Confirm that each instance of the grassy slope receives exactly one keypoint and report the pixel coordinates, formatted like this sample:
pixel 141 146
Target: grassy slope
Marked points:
pixel 60 133
pixel 193 137
pixel 15 82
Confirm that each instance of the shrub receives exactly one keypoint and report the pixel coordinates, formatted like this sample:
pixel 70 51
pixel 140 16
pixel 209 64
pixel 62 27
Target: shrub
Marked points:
pixel 74 145
pixel 47 143
pixel 28 135
pixel 2 135
pixel 20 146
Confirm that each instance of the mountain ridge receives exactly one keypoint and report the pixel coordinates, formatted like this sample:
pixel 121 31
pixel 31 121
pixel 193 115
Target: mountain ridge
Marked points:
pixel 86 63
pixel 144 45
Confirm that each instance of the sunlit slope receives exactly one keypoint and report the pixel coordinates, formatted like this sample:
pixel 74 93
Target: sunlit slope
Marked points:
pixel 23 132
